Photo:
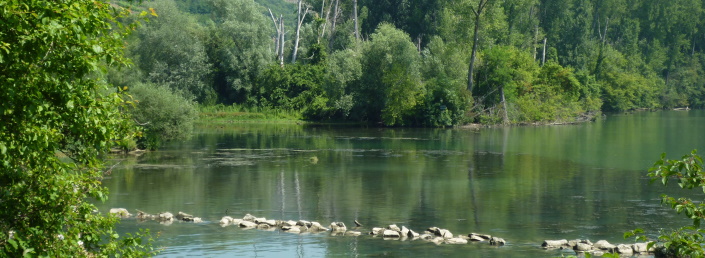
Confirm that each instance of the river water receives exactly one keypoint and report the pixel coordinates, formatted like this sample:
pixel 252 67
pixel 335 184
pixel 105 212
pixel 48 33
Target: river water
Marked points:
pixel 524 184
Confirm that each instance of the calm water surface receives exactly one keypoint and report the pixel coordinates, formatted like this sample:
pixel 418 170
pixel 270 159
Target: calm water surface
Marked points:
pixel 524 184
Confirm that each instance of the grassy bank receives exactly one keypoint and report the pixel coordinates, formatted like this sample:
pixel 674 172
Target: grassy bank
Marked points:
pixel 221 114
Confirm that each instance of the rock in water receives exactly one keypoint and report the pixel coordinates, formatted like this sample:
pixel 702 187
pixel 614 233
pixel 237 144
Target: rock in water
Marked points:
pixel 445 233
pixel 352 233
pixel 390 233
pixel 582 247
pixel 338 226
pixel 497 241
pixel 554 244
pixel 120 212
pixel 605 246
pixel 184 216
pixel 249 217
pixel 247 224
pixel 456 241
pixel 226 221
pixel 317 227
pixel 165 216
pixel 625 249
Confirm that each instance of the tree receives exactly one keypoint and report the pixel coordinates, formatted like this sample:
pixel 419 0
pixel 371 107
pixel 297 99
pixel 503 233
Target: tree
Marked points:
pixel 390 85
pixel 239 48
pixel 300 17
pixel 58 119
pixel 169 52
pixel 477 12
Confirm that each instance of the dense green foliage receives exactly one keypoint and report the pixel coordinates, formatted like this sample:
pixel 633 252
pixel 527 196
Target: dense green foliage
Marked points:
pixel 537 61
pixel 163 114
pixel 688 241
pixel 57 121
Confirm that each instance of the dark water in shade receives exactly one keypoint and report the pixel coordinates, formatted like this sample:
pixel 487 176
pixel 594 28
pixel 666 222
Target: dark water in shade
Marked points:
pixel 524 184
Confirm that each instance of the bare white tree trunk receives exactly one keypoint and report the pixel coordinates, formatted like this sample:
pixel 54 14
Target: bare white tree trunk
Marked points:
pixel 333 23
pixel 323 31
pixel 505 118
pixel 357 28
pixel 299 21
pixel 281 48
pixel 279 31
pixel 536 39
pixel 543 59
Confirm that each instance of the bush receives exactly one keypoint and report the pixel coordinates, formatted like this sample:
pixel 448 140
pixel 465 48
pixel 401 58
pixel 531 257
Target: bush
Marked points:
pixel 164 114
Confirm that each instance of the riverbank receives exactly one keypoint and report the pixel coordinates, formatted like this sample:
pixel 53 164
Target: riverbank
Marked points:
pixel 219 115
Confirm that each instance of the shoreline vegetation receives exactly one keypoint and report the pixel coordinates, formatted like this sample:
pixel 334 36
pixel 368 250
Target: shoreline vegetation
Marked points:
pixel 218 115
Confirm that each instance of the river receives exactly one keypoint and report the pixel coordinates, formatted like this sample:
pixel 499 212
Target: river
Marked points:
pixel 524 184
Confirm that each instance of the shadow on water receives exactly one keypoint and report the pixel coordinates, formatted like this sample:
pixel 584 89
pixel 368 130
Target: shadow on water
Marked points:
pixel 524 184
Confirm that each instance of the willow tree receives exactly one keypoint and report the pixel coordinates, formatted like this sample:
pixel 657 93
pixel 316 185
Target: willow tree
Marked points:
pixel 57 120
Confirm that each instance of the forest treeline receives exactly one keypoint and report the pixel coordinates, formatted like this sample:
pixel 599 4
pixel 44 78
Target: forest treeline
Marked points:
pixel 423 62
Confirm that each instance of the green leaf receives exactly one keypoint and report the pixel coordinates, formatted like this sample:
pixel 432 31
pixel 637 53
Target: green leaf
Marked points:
pixel 69 104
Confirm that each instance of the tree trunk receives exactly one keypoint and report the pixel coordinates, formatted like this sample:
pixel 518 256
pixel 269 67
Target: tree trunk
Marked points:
pixel 332 27
pixel 281 48
pixel 536 41
pixel 480 6
pixel 505 118
pixel 543 59
pixel 474 53
pixel 299 19
pixel 279 31
pixel 357 28
pixel 323 32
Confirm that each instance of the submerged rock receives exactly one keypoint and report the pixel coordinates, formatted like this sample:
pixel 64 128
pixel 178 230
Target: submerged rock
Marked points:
pixel 352 233
pixel 456 241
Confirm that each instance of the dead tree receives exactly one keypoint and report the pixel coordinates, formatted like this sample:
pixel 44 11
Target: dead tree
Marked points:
pixel 357 28
pixel 299 21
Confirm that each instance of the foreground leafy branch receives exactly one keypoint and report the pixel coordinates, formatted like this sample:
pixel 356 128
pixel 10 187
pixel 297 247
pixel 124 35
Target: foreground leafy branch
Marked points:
pixel 57 120
pixel 687 241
